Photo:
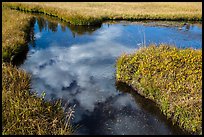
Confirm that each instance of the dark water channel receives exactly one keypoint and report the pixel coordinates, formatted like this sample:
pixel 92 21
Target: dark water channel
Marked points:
pixel 77 64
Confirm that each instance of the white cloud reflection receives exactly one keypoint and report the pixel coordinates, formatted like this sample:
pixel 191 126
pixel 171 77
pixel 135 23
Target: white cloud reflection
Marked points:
pixel 38 35
pixel 82 73
pixel 91 65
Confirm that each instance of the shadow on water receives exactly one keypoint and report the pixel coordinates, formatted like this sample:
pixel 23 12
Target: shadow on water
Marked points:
pixel 150 107
pixel 48 23
pixel 21 57
pixel 22 54
pixel 81 30
pixel 107 119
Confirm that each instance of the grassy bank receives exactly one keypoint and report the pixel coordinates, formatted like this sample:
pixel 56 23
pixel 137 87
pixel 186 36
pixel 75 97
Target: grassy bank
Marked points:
pixel 26 114
pixel 89 13
pixel 169 76
pixel 15 33
pixel 22 111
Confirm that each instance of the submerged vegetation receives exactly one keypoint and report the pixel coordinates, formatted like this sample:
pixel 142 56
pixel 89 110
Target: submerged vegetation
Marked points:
pixel 24 112
pixel 89 13
pixel 169 76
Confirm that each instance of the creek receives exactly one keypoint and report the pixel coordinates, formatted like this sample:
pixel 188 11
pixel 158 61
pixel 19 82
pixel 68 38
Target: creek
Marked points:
pixel 77 64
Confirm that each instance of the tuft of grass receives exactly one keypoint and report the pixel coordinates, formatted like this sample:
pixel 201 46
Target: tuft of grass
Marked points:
pixel 169 76
pixel 90 13
pixel 23 112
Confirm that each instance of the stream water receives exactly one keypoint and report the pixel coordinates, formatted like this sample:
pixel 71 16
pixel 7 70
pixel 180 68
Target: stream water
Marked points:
pixel 77 64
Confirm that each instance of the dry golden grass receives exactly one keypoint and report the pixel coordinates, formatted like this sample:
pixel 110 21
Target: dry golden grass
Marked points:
pixel 89 11
pixel 15 30
pixel 24 113
pixel 128 9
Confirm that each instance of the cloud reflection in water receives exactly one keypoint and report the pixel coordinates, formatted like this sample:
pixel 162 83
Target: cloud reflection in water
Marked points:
pixel 83 74
pixel 90 65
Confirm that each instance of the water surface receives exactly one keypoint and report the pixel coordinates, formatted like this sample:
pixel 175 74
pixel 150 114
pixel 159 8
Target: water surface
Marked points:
pixel 77 64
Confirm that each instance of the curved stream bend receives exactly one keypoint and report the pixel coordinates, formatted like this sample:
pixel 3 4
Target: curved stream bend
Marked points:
pixel 77 64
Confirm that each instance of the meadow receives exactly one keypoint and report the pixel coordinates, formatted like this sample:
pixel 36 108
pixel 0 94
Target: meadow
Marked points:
pixel 89 13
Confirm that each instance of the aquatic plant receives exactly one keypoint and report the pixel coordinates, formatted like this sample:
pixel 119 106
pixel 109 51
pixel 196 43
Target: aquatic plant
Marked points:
pixel 169 76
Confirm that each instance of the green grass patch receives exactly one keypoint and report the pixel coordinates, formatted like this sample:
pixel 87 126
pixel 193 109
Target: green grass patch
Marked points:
pixel 169 76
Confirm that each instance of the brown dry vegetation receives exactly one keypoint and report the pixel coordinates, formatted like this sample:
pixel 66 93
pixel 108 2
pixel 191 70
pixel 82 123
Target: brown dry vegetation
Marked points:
pixel 91 13
pixel 15 32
